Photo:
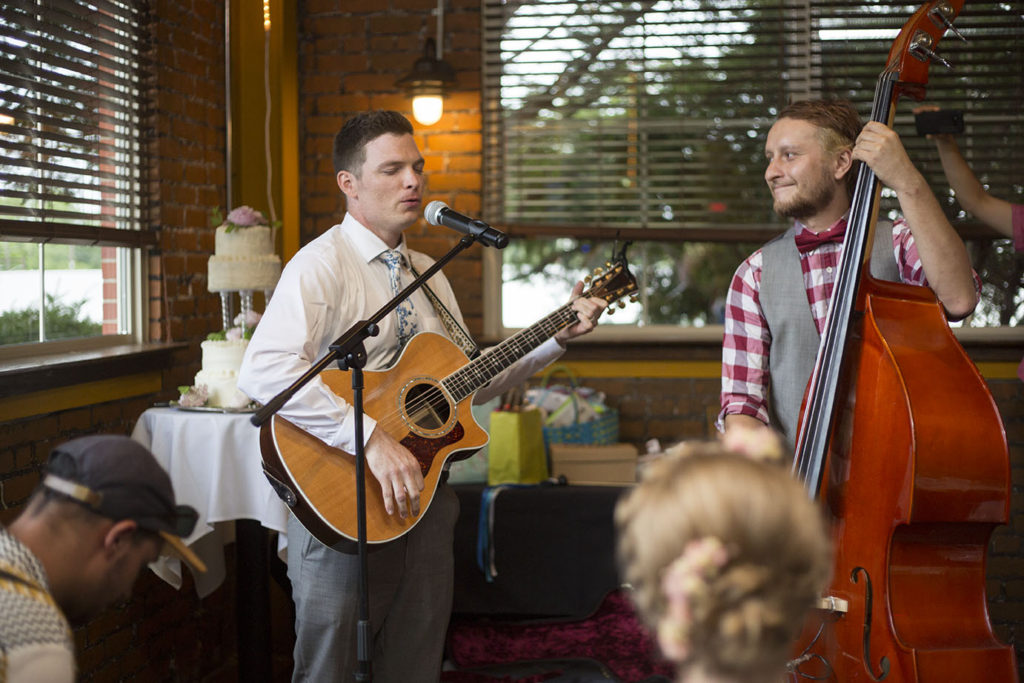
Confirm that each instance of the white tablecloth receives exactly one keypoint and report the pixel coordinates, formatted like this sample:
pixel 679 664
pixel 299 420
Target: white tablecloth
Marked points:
pixel 214 463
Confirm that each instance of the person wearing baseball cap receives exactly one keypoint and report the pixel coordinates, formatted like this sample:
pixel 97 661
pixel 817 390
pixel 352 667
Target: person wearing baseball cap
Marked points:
pixel 104 510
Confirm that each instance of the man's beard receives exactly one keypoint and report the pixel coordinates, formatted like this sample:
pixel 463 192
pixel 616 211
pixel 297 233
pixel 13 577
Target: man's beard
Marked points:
pixel 808 202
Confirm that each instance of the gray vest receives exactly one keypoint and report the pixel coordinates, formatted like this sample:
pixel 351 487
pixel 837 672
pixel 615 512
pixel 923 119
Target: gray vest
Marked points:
pixel 794 338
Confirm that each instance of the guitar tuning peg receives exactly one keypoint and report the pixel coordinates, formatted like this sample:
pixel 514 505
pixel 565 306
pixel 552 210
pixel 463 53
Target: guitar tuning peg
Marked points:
pixel 621 304
pixel 610 310
pixel 587 279
pixel 633 298
pixel 597 271
pixel 940 16
pixel 608 265
pixel 921 47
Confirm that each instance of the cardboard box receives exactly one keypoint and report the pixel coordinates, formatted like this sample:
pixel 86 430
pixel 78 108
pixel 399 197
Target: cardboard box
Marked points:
pixel 594 465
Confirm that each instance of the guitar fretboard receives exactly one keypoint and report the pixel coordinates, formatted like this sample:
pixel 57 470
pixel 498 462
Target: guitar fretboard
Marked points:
pixel 489 364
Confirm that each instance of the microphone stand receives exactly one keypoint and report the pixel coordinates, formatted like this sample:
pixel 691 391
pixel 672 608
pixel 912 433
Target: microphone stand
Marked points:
pixel 350 353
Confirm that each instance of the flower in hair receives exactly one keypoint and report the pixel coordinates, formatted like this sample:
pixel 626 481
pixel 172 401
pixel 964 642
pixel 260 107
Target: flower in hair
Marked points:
pixel 686 578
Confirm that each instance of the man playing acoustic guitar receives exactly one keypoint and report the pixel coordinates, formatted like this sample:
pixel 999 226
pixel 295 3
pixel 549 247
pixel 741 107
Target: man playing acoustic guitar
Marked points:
pixel 344 276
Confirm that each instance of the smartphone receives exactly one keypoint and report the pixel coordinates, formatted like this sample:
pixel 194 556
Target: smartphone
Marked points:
pixel 943 121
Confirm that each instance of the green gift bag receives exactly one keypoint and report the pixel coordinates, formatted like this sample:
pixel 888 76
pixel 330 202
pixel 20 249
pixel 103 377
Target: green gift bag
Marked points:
pixel 516 451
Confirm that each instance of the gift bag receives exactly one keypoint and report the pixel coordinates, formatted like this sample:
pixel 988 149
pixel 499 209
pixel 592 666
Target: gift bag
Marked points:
pixel 574 414
pixel 516 451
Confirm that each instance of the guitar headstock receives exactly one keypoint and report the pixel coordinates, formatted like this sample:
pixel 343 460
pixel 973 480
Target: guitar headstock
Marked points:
pixel 915 46
pixel 612 282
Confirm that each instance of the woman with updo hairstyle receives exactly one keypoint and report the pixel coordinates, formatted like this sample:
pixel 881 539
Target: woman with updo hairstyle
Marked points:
pixel 726 554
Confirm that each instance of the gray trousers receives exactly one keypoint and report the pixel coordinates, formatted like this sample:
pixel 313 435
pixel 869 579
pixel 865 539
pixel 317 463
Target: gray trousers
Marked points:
pixel 411 587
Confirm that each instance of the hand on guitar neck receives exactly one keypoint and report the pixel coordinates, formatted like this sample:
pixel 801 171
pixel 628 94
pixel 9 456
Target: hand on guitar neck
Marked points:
pixel 589 309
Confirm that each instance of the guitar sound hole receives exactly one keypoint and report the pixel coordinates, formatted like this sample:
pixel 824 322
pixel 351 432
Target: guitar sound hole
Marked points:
pixel 427 406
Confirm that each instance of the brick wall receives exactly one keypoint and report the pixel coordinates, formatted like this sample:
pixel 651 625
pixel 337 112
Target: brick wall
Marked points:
pixel 188 178
pixel 349 60
pixel 1005 573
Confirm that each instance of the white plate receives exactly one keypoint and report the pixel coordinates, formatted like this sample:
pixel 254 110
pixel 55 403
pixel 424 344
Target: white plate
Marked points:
pixel 251 408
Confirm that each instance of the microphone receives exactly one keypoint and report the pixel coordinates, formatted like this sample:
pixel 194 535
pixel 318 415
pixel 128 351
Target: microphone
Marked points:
pixel 438 213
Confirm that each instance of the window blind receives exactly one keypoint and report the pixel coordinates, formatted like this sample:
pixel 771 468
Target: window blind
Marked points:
pixel 73 76
pixel 651 116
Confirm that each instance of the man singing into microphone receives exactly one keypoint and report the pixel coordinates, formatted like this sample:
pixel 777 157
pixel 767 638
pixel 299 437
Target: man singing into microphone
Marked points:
pixel 344 276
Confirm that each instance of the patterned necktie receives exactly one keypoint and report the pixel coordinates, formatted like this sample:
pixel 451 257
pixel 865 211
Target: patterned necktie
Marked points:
pixel 406 316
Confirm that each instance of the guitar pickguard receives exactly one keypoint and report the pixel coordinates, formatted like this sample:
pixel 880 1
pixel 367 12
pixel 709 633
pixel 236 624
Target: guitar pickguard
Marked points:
pixel 424 450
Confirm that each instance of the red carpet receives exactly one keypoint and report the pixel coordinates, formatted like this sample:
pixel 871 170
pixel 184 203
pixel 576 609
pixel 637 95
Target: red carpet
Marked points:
pixel 613 636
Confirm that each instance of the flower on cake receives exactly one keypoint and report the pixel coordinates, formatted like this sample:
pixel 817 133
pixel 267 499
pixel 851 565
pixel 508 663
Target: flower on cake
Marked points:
pixel 239 331
pixel 239 217
pixel 193 397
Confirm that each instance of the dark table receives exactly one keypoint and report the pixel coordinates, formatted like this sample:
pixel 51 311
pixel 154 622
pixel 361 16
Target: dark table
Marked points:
pixel 554 551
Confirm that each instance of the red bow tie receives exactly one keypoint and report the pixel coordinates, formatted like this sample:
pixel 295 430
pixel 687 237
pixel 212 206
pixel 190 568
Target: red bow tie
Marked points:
pixel 807 240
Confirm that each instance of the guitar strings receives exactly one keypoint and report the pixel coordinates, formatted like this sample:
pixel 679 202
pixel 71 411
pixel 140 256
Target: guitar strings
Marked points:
pixel 436 399
pixel 489 364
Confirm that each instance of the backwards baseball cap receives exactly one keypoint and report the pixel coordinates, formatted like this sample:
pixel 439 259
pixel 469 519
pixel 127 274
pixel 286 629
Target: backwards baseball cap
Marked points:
pixel 119 478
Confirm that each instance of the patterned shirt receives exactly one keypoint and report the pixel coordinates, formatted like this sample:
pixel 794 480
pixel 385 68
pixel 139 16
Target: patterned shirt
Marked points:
pixel 35 639
pixel 747 340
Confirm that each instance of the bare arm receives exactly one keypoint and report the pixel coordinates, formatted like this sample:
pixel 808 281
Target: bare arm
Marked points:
pixel 943 254
pixel 973 197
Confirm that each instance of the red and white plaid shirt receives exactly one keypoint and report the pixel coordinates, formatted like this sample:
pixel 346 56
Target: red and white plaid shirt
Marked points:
pixel 747 341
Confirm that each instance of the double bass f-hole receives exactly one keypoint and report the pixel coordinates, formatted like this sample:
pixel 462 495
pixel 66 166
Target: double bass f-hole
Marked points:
pixel 883 663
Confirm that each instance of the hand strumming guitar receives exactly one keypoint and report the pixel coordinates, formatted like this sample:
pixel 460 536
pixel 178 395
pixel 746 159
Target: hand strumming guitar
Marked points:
pixel 398 473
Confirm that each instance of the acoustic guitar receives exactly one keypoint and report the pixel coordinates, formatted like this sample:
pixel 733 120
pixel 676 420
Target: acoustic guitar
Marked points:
pixel 423 401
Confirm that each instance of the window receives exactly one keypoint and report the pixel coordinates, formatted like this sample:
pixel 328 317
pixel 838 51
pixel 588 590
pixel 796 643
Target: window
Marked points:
pixel 72 76
pixel 646 121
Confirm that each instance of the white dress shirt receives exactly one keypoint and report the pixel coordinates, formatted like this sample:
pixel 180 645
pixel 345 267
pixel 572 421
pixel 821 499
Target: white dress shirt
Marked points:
pixel 330 284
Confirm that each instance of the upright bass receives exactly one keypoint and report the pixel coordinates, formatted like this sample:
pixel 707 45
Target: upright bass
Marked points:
pixel 902 443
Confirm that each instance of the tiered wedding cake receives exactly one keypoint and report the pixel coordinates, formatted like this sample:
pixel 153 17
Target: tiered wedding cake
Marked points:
pixel 243 255
pixel 243 261
pixel 218 379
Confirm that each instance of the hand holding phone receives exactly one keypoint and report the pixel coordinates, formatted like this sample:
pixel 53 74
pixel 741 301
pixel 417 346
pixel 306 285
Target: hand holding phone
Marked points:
pixel 939 122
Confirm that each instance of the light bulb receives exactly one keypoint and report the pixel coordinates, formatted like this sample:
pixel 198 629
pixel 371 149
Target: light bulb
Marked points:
pixel 427 109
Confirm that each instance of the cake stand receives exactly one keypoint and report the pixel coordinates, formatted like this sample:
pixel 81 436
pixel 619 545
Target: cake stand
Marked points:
pixel 227 309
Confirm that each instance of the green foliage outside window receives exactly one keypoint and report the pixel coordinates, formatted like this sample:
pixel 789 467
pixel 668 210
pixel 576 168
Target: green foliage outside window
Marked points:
pixel 63 321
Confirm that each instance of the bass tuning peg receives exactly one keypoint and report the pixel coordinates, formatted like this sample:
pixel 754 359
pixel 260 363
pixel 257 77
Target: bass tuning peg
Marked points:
pixel 940 17
pixel 921 47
